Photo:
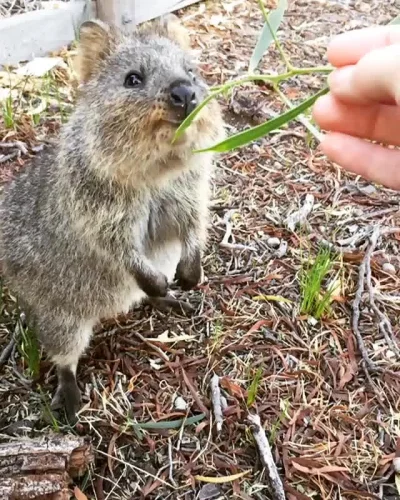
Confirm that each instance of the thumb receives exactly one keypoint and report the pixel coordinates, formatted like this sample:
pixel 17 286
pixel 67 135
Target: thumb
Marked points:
pixel 375 78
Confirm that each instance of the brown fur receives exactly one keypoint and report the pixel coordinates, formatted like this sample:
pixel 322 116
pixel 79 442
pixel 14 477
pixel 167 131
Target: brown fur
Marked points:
pixel 109 216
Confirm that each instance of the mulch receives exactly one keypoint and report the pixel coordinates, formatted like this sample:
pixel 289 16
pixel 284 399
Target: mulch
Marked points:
pixel 333 425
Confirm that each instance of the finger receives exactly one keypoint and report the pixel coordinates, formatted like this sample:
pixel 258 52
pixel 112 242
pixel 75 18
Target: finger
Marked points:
pixel 348 48
pixel 376 77
pixel 371 161
pixel 378 123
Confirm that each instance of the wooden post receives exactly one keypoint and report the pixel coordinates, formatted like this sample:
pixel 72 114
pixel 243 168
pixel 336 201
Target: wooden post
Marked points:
pixel 132 12
pixel 42 468
pixel 118 12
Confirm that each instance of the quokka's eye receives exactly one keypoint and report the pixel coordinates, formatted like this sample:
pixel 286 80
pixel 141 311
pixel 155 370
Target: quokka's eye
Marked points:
pixel 133 80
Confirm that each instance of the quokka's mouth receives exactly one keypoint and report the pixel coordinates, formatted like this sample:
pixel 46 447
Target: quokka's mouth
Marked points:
pixel 174 121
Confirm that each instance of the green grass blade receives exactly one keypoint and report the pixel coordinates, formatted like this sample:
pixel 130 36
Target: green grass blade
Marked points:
pixel 30 350
pixel 267 34
pixel 252 134
pixel 396 20
pixel 252 393
pixel 315 301
pixel 216 91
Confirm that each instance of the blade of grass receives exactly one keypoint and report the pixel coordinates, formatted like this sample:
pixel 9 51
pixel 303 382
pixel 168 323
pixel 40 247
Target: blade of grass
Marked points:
pixel 8 113
pixel 273 20
pixel 221 89
pixel 301 118
pixel 254 133
pixel 252 393
pixel 218 91
pixel 30 350
pixel 396 20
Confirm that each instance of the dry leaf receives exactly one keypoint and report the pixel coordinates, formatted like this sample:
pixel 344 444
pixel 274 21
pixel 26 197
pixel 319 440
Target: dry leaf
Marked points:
pixel 169 337
pixel 397 482
pixel 218 480
pixel 79 495
pixel 347 376
pixel 273 298
pixel 233 388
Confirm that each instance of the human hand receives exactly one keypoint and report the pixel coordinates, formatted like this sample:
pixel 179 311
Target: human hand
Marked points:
pixel 364 103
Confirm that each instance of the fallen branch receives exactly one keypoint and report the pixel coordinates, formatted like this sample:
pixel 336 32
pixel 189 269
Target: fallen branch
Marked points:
pixel 21 146
pixel 266 457
pixel 42 468
pixel 384 324
pixel 217 402
pixel 11 156
pixel 365 274
pixel 7 351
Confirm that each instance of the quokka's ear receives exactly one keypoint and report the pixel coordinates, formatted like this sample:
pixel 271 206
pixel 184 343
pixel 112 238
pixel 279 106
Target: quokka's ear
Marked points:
pixel 170 27
pixel 96 42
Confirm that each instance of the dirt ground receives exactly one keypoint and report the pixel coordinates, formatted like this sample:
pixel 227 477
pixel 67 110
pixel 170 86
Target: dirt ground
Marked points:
pixel 333 421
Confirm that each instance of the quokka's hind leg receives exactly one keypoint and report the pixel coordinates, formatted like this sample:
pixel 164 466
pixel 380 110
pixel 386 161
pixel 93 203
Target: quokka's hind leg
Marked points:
pixel 65 341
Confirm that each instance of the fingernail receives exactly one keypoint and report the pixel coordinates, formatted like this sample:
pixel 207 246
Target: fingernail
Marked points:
pixel 340 80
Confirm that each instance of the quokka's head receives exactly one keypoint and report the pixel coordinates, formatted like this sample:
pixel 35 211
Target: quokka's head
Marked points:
pixel 141 85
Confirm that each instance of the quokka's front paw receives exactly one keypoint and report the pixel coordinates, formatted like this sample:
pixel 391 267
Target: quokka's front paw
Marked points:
pixel 189 272
pixel 153 285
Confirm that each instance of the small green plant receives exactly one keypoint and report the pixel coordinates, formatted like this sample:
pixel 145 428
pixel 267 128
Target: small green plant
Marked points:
pixel 29 349
pixel 253 389
pixel 8 112
pixel 284 406
pixel 217 335
pixel 314 301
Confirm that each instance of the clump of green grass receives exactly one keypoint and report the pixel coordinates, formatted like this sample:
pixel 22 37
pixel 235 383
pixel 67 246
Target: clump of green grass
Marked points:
pixel 29 349
pixel 314 300
pixel 7 112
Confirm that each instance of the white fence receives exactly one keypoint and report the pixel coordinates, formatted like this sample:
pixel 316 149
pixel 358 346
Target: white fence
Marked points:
pixel 34 34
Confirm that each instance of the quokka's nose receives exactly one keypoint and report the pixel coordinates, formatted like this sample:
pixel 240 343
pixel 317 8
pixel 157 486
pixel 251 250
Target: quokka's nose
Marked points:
pixel 183 97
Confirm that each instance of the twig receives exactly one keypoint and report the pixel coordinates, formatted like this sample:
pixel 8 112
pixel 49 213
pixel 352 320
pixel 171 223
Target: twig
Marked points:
pixel 365 271
pixel 301 215
pixel 266 457
pixel 336 248
pixel 15 144
pixel 4 158
pixel 171 463
pixel 356 238
pixel 384 324
pixel 154 347
pixel 228 233
pixel 5 355
pixel 194 393
pixel 217 402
